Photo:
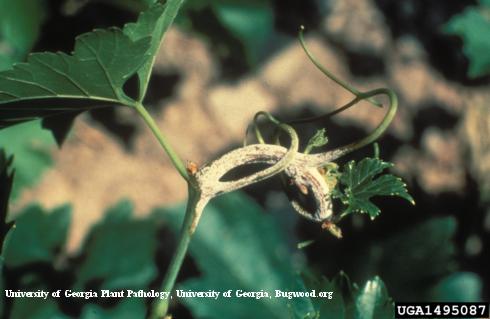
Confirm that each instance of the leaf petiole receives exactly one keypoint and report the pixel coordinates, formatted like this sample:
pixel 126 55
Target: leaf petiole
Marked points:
pixel 174 157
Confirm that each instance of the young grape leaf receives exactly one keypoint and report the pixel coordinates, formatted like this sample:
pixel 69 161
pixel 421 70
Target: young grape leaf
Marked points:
pixel 473 26
pixel 316 141
pixel 360 182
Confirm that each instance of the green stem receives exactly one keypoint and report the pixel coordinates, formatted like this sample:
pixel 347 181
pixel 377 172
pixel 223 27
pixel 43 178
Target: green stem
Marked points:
pixel 160 306
pixel 381 128
pixel 329 74
pixel 174 158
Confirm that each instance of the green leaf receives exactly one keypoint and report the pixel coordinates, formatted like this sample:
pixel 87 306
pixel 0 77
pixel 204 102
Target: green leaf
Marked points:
pixel 473 26
pixel 458 287
pixel 151 23
pixel 237 246
pixel 38 236
pixel 120 251
pixel 20 22
pixel 36 308
pixel 371 301
pixel 414 260
pixel 361 182
pixel 6 179
pixel 128 308
pixel 54 83
pixel 57 84
pixel 316 141
pixel 31 147
pixel 236 16
pixel 2 286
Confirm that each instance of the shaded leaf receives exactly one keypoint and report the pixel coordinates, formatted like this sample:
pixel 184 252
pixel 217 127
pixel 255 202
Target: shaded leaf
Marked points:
pixel 2 286
pixel 20 22
pixel 36 308
pixel 473 26
pixel 31 146
pixel 119 251
pixel 6 179
pixel 38 236
pixel 371 301
pixel 60 125
pixel 237 246
pixel 361 182
pixel 414 260
pixel 458 287
pixel 127 308
pixel 236 17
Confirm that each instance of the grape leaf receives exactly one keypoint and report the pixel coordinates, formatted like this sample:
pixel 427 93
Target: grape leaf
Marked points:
pixel 92 76
pixel 36 308
pixel 371 301
pixel 60 85
pixel 119 251
pixel 237 246
pixel 151 23
pixel 316 141
pixel 412 260
pixel 6 179
pixel 473 26
pixel 30 145
pixel 236 17
pixel 128 308
pixel 458 287
pixel 38 236
pixel 20 22
pixel 361 181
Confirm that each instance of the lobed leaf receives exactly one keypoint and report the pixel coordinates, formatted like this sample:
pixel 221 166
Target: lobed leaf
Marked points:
pixel 6 179
pixel 319 139
pixel 119 251
pixel 37 236
pixel 237 246
pixel 31 147
pixel 473 26
pixel 58 86
pixel 49 83
pixel 20 22
pixel 371 301
pixel 152 23
pixel 361 182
